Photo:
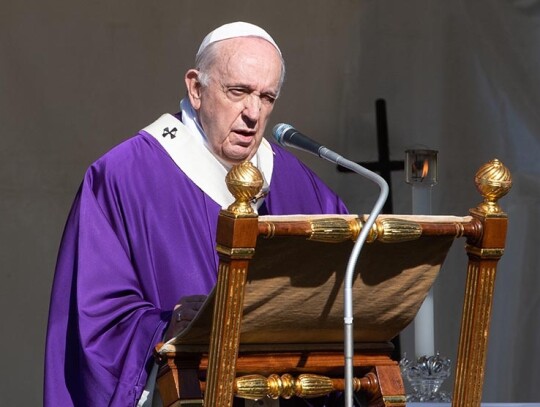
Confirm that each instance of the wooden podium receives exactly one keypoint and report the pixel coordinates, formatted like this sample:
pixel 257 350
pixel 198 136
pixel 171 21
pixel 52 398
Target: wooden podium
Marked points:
pixel 277 329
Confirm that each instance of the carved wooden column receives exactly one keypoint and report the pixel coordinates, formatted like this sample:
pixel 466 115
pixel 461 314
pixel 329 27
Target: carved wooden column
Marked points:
pixel 493 180
pixel 237 236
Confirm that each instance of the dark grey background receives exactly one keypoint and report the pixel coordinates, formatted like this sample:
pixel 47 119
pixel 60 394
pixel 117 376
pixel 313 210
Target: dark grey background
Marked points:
pixel 78 77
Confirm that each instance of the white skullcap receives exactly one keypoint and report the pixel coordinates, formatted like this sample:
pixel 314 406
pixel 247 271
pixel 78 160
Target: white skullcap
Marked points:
pixel 235 30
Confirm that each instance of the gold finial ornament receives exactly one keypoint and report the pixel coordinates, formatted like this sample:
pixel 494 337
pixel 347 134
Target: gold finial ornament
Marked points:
pixel 253 387
pixel 394 230
pixel 493 180
pixel 256 387
pixel 245 182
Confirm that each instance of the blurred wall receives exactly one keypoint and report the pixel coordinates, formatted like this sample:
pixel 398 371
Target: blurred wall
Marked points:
pixel 461 77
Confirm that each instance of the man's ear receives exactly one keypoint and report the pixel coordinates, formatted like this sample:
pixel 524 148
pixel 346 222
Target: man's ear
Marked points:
pixel 193 88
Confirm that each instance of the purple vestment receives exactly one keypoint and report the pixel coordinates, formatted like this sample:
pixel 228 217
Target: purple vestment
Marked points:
pixel 140 236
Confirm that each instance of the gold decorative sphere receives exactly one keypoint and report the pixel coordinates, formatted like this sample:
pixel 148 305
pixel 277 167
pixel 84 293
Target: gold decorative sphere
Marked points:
pixel 245 182
pixel 493 180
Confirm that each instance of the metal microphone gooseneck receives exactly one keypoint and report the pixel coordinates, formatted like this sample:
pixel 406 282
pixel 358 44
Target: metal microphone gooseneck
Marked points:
pixel 289 136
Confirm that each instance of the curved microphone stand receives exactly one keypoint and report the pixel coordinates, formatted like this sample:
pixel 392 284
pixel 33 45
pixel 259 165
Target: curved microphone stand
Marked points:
pixel 287 135
pixel 349 274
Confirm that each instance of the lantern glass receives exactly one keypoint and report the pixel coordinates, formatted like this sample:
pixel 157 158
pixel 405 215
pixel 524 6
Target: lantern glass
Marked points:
pixel 421 167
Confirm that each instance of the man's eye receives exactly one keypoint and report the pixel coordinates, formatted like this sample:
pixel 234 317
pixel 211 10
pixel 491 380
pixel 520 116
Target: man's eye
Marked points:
pixel 237 91
pixel 268 99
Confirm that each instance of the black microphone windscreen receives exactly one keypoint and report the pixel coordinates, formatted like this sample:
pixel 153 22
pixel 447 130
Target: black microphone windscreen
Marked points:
pixel 279 131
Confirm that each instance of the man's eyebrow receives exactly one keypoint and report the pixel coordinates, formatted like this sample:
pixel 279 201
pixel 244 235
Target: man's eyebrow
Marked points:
pixel 249 87
pixel 239 85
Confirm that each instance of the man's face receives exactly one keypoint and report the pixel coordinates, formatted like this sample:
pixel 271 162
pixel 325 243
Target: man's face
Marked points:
pixel 235 105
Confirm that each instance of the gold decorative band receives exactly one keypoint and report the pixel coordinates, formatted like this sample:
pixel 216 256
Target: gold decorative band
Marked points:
pixel 391 401
pixel 395 230
pixel 271 230
pixel 460 229
pixel 256 387
pixel 335 230
pixel 236 252
pixel 331 230
pixel 191 403
pixel 490 253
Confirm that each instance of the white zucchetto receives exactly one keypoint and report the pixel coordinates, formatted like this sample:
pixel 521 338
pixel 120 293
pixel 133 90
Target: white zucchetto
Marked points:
pixel 235 30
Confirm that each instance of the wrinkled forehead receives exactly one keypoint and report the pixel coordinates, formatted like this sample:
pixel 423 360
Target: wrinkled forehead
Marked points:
pixel 250 56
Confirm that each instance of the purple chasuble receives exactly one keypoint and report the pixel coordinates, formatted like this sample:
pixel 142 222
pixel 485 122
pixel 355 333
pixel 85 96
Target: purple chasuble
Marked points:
pixel 140 236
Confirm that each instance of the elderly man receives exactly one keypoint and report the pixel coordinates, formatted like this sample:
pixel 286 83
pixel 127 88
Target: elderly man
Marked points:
pixel 140 239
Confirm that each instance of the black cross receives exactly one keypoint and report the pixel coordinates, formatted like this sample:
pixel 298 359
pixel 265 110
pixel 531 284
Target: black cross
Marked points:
pixel 384 166
pixel 167 132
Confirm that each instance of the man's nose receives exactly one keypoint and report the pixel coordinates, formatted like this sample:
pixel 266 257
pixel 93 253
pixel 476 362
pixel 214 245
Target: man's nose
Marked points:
pixel 252 107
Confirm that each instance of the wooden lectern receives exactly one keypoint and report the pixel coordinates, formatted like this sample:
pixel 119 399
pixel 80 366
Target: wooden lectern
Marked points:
pixel 276 330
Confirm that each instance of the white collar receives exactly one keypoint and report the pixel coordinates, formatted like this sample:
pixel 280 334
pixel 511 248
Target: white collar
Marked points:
pixel 191 120
pixel 198 163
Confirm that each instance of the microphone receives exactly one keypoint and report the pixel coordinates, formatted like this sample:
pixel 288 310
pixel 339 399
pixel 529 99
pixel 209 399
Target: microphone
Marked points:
pixel 287 135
